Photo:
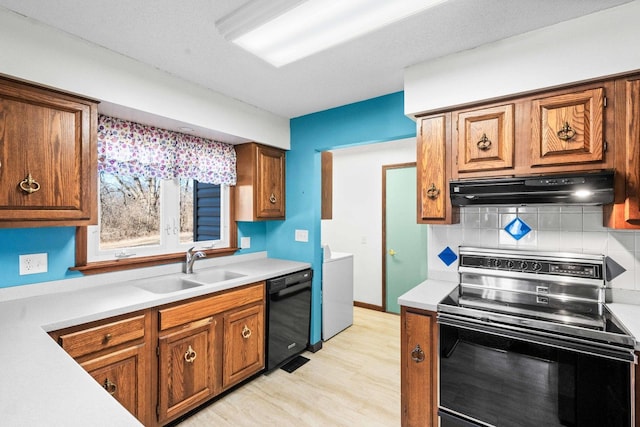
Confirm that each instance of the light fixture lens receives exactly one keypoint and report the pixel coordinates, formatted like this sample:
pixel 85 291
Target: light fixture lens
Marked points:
pixel 316 25
pixel 583 194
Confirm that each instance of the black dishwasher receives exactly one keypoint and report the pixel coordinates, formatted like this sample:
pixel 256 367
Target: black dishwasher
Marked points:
pixel 288 317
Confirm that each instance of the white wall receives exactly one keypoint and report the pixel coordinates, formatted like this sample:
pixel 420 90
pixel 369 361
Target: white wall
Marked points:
pixel 38 53
pixel 595 45
pixel 356 226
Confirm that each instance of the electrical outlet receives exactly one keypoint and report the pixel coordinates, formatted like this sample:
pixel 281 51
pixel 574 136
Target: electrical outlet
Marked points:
pixel 33 263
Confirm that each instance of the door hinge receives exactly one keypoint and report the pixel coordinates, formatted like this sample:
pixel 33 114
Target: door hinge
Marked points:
pixel 605 146
pixel 157 411
pixel 157 351
pixel 605 101
pixel 456 124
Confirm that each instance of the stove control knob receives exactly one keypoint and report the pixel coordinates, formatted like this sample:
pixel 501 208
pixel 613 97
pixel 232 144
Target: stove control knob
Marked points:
pixel 522 265
pixel 510 264
pixel 536 266
pixel 497 263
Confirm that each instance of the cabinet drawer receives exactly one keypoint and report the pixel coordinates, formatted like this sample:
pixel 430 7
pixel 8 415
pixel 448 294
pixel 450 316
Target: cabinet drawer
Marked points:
pixel 103 336
pixel 190 311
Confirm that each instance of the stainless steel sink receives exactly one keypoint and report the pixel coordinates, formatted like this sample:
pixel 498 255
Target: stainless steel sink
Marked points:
pixel 208 277
pixel 165 284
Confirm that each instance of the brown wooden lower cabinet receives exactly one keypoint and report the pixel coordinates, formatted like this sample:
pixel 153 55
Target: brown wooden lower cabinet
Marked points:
pixel 418 369
pixel 199 348
pixel 185 368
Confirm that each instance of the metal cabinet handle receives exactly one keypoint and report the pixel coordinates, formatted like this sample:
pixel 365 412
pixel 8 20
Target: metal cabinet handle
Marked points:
pixel 246 332
pixel 110 387
pixel 485 143
pixel 566 132
pixel 107 338
pixel 190 355
pixel 29 185
pixel 417 355
pixel 273 198
pixel 392 252
pixel 433 192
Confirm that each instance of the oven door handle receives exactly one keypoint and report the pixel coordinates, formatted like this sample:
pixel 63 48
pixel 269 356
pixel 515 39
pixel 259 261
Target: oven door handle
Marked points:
pixel 509 331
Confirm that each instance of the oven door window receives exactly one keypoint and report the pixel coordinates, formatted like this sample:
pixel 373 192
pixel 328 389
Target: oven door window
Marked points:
pixel 501 381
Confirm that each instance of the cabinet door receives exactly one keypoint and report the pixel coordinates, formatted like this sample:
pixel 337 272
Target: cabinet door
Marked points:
pixel 47 155
pixel 243 344
pixel 122 374
pixel 418 348
pixel 433 203
pixel 270 196
pixel 568 128
pixel 485 138
pixel 185 376
pixel 632 142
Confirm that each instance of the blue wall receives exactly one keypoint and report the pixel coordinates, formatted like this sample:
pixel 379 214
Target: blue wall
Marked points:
pixel 59 244
pixel 375 120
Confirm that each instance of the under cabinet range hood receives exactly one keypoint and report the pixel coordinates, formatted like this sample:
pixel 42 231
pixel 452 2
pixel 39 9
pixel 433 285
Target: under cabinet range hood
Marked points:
pixel 581 188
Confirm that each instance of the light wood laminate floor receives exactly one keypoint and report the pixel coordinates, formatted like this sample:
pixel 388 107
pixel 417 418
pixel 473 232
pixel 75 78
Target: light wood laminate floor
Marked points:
pixel 353 381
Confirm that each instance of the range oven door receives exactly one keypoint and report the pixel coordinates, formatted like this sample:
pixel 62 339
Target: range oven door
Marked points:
pixel 495 377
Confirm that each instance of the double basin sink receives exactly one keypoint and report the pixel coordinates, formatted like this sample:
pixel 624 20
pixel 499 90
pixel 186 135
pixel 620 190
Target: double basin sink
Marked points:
pixel 179 282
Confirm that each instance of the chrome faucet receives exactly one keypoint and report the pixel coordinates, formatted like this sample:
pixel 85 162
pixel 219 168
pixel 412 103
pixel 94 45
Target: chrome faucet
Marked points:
pixel 191 258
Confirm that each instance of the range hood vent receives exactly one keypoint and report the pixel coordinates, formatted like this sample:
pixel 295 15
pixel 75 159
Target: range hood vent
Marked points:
pixel 583 188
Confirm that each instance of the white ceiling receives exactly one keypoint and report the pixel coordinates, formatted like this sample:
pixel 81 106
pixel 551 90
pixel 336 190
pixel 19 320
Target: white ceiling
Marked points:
pixel 180 38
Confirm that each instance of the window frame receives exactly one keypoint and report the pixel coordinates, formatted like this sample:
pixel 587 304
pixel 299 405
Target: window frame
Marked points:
pixel 96 267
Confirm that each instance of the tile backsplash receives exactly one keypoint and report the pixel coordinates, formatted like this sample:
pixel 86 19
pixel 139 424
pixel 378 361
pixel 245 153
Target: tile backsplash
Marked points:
pixel 553 228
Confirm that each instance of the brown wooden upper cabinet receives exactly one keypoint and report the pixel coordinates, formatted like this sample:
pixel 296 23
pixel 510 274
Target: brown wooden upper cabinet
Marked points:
pixel 261 183
pixel 568 128
pixel 485 138
pixel 47 157
pixel 433 202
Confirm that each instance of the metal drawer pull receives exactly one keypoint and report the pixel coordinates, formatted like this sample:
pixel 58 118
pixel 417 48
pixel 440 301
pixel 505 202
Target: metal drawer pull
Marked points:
pixel 485 143
pixel 272 198
pixel 433 192
pixel 110 387
pixel 417 355
pixel 29 185
pixel 107 338
pixel 190 355
pixel 566 133
pixel 246 332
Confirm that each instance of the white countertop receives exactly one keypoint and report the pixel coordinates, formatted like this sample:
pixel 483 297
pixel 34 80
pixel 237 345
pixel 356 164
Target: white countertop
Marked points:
pixel 429 293
pixel 40 384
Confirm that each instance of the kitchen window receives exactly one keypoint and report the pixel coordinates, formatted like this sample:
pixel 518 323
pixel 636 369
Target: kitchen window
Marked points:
pixel 160 192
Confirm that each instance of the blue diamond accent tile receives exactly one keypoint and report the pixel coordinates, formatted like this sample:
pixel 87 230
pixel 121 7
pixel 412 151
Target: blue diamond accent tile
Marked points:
pixel 517 228
pixel 448 256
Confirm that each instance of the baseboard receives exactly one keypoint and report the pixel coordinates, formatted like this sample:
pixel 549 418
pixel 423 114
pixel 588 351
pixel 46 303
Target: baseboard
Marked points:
pixel 315 347
pixel 368 306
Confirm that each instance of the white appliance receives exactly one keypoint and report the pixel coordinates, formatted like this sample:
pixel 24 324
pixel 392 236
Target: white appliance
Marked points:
pixel 337 293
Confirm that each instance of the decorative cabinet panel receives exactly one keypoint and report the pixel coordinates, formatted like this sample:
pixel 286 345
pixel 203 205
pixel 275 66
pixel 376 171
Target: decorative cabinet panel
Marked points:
pixel 434 205
pixel 260 184
pixel 624 213
pixel 243 344
pixel 115 352
pixel 47 157
pixel 418 368
pixel 186 365
pixel 485 138
pixel 121 373
pixel 568 128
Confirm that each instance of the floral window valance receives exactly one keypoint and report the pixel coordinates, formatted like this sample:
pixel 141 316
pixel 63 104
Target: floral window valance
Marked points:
pixel 133 149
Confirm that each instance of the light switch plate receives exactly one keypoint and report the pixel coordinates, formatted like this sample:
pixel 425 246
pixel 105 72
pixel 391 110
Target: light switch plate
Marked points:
pixel 245 242
pixel 302 235
pixel 33 263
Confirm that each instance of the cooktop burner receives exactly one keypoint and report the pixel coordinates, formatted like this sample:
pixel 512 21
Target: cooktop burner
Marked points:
pixel 559 293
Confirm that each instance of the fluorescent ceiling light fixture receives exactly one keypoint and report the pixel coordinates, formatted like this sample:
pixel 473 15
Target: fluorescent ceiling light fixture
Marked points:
pixel 284 31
